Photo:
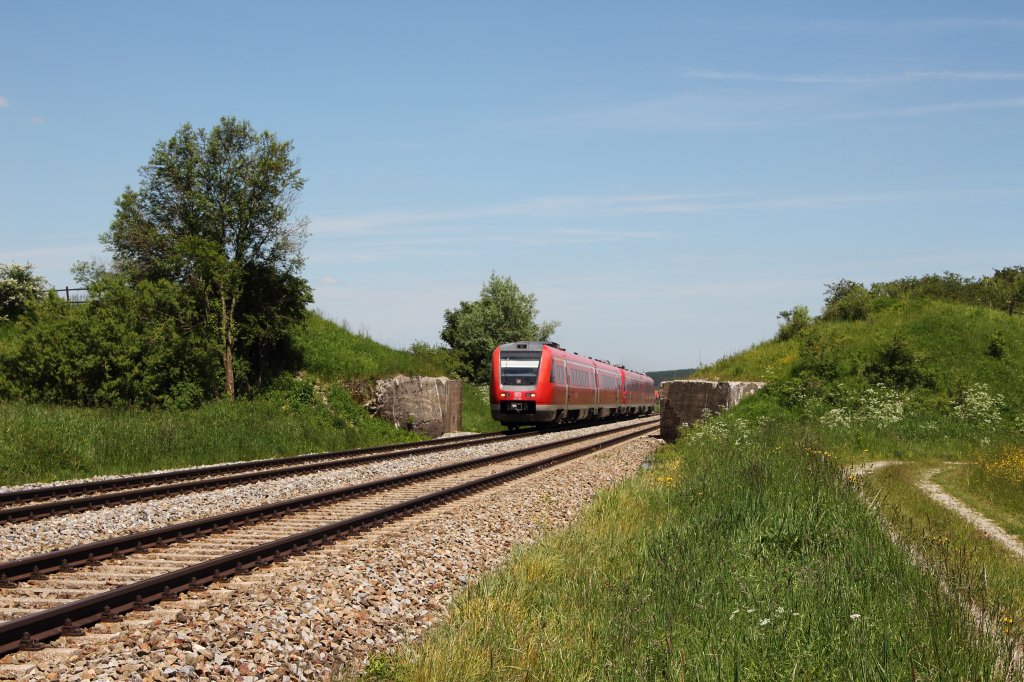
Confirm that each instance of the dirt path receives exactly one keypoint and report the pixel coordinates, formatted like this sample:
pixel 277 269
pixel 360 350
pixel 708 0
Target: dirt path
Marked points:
pixel 868 468
pixel 1011 542
pixel 1015 659
pixel 934 491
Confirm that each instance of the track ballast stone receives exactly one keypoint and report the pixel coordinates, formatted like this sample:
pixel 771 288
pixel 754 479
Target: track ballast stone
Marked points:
pixel 26 538
pixel 332 608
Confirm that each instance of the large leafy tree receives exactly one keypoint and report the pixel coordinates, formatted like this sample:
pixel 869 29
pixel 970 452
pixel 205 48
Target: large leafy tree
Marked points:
pixel 503 313
pixel 213 212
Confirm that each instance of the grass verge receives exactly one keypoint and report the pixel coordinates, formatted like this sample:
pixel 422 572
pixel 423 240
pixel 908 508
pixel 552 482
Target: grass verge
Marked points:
pixel 43 443
pixel 730 559
pixel 476 409
pixel 973 566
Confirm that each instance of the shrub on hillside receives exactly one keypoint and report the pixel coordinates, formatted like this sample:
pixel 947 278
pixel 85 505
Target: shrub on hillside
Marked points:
pixel 846 301
pixel 1003 290
pixel 997 345
pixel 976 405
pixel 793 322
pixel 428 354
pixel 896 364
pixel 819 354
pixel 877 406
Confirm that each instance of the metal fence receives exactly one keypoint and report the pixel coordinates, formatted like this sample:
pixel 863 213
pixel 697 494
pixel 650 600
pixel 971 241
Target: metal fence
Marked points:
pixel 72 295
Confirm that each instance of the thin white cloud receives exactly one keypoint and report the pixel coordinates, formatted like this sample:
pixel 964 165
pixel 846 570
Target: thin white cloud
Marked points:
pixel 433 231
pixel 940 108
pixel 855 79
pixel 37 120
pixel 328 280
pixel 3 102
pixel 549 207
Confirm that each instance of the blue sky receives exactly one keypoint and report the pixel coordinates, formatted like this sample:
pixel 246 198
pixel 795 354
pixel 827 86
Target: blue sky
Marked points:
pixel 664 177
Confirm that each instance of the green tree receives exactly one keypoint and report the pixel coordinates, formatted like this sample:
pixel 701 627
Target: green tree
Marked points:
pixel 213 213
pixel 502 314
pixel 793 322
pixel 19 289
pixel 846 300
pixel 1008 284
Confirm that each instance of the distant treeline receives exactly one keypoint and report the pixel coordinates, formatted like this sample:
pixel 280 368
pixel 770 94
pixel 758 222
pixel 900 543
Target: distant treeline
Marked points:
pixel 670 375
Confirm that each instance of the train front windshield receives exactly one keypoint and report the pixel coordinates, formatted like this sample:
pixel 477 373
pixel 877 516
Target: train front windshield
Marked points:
pixel 519 368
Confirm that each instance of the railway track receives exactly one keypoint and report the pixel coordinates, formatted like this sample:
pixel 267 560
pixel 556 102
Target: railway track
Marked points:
pixel 49 501
pixel 45 596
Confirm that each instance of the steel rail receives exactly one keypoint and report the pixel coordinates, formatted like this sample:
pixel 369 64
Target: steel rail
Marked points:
pixel 29 631
pixel 36 566
pixel 77 504
pixel 263 471
pixel 86 487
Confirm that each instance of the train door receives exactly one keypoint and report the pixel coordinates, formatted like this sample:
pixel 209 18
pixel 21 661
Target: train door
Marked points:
pixel 559 384
pixel 565 389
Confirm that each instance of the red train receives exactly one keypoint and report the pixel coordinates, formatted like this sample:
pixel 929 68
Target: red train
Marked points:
pixel 540 383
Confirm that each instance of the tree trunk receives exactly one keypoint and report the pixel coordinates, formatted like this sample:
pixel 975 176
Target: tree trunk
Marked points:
pixel 227 318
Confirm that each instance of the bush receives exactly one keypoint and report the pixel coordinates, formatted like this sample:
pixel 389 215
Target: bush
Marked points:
pixel 819 354
pixel 19 289
pixel 895 364
pixel 846 301
pixel 974 404
pixel 128 346
pixel 793 322
pixel 997 345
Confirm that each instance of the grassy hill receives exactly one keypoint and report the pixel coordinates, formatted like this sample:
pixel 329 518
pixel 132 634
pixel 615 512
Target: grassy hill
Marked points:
pixel 749 552
pixel 317 409
pixel 918 378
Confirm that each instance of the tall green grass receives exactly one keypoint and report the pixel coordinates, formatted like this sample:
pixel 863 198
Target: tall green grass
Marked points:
pixel 45 442
pixel 738 556
pixel 476 409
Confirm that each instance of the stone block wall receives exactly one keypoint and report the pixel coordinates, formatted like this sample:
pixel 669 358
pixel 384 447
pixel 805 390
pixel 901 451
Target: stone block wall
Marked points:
pixel 683 402
pixel 428 405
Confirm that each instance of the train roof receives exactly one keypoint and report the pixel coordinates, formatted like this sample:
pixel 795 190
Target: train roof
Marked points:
pixel 539 346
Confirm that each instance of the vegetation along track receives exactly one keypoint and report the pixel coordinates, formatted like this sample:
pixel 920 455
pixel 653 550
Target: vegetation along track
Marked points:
pixel 192 555
pixel 74 497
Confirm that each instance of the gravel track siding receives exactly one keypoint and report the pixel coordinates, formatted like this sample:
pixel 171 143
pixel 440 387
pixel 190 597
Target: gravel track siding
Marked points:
pixel 333 607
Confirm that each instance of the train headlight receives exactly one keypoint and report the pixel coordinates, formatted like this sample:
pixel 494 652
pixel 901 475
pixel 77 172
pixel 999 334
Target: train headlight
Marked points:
pixel 531 395
pixel 504 395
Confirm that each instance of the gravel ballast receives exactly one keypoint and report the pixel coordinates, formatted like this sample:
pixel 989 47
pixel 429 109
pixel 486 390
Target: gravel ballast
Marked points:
pixel 330 608
pixel 27 538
